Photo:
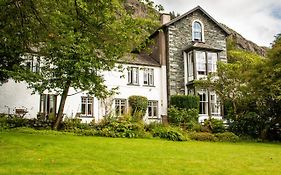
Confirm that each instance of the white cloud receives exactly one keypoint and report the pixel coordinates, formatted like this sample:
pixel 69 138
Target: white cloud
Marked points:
pixel 256 20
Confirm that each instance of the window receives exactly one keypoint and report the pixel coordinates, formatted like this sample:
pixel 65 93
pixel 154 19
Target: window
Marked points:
pixel 214 105
pixel 33 64
pixel 203 103
pixel 120 107
pixel 197 31
pixel 152 109
pixel 87 106
pixel 133 75
pixel 201 62
pixel 190 64
pixel 212 61
pixel 148 77
pixel 48 103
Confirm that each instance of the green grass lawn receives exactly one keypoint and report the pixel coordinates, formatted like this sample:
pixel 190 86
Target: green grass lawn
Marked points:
pixel 40 153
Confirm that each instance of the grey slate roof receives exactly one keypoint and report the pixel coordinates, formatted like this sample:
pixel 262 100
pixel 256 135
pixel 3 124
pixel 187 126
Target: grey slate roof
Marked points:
pixel 200 45
pixel 139 59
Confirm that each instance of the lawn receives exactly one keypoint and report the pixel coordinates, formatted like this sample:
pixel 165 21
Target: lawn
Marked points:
pixel 52 153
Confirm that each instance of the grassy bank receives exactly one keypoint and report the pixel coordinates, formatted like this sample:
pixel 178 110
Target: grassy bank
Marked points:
pixel 55 153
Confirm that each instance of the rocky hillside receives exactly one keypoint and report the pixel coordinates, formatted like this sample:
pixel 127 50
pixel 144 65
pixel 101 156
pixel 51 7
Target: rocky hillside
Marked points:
pixel 241 43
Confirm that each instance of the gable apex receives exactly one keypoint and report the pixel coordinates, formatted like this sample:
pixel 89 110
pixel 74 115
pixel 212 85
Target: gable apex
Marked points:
pixel 193 10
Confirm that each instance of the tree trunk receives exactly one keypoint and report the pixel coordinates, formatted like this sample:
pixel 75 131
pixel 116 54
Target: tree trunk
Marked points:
pixel 61 107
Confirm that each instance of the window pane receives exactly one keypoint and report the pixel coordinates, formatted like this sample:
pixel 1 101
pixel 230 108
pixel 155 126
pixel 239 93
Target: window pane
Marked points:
pixel 201 62
pixel 83 109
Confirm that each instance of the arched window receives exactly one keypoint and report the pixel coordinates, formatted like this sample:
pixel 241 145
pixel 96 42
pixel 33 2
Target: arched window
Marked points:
pixel 197 31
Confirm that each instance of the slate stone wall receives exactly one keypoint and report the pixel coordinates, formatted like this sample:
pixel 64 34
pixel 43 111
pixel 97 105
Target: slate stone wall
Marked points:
pixel 179 37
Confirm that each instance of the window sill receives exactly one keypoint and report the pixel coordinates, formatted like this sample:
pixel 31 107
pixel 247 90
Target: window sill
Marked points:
pixel 148 86
pixel 133 84
pixel 153 118
pixel 86 116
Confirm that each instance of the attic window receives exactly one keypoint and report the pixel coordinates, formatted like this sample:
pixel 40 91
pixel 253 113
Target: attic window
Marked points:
pixel 197 31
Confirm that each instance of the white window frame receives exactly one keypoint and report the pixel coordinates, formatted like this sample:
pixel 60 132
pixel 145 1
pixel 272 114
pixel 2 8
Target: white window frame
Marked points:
pixel 215 105
pixel 148 77
pixel 88 103
pixel 194 30
pixel 118 104
pixel 201 64
pixel 33 64
pixel 152 109
pixel 203 103
pixel 48 104
pixel 212 61
pixel 133 76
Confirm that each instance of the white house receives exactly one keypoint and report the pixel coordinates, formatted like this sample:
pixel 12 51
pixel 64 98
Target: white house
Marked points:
pixel 141 75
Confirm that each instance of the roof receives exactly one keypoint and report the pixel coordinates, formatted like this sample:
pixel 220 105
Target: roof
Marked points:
pixel 139 59
pixel 200 45
pixel 189 12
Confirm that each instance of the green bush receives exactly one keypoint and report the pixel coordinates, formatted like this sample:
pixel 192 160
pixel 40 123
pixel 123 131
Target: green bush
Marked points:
pixel 168 133
pixel 214 125
pixel 139 105
pixel 185 101
pixel 188 119
pixel 120 127
pixel 202 136
pixel 227 137
pixel 72 124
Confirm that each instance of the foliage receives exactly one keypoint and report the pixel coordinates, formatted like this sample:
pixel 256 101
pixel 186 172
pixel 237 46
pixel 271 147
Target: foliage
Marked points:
pixel 214 125
pixel 14 121
pixel 73 124
pixel 202 136
pixel 139 105
pixel 185 101
pixel 120 127
pixel 78 39
pixel 169 133
pixel 187 119
pixel 227 137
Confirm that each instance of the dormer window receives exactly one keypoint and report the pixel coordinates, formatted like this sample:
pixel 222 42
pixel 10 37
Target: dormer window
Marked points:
pixel 197 31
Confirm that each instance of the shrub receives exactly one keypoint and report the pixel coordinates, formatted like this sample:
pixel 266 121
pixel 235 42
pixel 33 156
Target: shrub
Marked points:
pixel 120 127
pixel 227 137
pixel 214 125
pixel 168 133
pixel 185 101
pixel 202 136
pixel 139 105
pixel 187 119
pixel 72 124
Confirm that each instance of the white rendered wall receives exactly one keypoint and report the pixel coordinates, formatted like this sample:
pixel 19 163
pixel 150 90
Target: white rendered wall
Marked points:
pixel 16 95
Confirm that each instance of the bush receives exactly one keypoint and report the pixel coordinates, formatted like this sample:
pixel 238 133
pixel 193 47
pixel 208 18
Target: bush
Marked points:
pixel 120 127
pixel 185 101
pixel 139 105
pixel 187 119
pixel 168 133
pixel 202 136
pixel 72 124
pixel 227 137
pixel 214 125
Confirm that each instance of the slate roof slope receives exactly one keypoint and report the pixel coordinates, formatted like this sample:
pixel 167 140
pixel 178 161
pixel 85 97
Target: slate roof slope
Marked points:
pixel 139 59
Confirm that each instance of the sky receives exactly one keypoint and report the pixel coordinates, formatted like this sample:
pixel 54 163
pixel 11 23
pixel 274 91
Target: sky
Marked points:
pixel 256 20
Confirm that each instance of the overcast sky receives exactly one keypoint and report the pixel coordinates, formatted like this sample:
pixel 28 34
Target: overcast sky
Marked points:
pixel 256 20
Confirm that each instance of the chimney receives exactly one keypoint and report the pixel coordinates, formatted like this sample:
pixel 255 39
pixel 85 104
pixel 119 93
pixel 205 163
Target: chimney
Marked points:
pixel 165 18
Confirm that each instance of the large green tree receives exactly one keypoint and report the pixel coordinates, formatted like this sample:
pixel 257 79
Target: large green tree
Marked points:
pixel 81 39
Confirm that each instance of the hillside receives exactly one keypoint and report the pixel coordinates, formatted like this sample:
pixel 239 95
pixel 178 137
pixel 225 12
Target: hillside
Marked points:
pixel 240 42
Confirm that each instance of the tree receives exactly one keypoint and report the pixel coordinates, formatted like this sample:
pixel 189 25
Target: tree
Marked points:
pixel 19 27
pixel 81 39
